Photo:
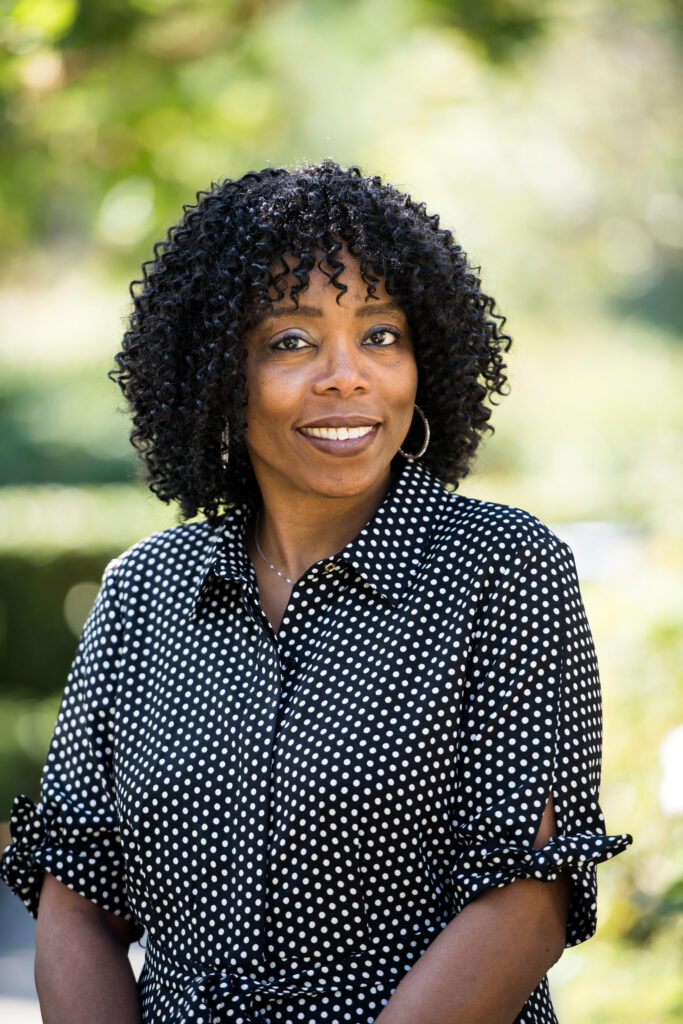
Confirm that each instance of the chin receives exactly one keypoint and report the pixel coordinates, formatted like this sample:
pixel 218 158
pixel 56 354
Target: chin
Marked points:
pixel 348 483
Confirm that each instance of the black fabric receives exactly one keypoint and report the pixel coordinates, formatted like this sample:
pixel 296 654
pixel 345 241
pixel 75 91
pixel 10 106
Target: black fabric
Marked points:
pixel 293 817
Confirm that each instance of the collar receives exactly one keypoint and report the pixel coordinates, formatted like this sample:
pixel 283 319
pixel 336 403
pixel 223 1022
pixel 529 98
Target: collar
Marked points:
pixel 391 549
pixel 225 554
pixel 387 553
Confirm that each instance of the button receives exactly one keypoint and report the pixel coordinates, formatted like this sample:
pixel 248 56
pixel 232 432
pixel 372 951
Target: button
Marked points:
pixel 330 567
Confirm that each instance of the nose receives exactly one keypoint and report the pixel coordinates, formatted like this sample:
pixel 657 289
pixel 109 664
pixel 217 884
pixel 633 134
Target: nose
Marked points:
pixel 342 369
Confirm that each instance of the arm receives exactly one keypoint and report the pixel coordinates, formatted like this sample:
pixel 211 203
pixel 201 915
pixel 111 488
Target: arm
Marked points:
pixel 66 861
pixel 83 975
pixel 483 966
pixel 531 725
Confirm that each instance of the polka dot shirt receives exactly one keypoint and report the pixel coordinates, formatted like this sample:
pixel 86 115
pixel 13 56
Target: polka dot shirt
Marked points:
pixel 293 817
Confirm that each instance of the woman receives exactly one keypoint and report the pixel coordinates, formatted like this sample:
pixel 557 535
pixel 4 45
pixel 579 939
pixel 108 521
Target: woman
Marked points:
pixel 335 746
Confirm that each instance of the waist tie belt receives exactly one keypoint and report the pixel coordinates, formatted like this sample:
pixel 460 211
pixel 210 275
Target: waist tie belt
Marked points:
pixel 202 992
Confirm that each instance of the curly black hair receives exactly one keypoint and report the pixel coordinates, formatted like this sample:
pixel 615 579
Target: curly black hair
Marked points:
pixel 181 366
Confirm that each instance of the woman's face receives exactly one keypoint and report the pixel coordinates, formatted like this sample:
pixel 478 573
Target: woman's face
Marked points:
pixel 331 389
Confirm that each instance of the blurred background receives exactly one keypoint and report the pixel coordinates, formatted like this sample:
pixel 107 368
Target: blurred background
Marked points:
pixel 547 135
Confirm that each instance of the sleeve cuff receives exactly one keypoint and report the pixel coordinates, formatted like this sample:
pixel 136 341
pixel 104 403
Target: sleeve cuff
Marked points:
pixel 488 867
pixel 84 855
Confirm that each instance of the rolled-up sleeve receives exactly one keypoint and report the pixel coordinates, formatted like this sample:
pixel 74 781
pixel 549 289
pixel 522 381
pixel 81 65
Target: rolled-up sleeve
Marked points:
pixel 73 831
pixel 531 728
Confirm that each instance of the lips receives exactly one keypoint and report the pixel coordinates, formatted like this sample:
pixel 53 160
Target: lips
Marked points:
pixel 340 435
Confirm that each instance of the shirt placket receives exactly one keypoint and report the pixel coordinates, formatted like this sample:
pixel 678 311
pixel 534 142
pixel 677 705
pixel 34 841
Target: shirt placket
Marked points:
pixel 255 740
pixel 326 846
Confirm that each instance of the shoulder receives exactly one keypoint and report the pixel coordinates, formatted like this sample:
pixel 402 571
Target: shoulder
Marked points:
pixel 174 552
pixel 494 529
pixel 488 549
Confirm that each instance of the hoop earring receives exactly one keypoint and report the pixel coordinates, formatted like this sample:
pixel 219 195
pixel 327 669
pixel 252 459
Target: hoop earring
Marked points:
pixel 423 449
pixel 225 446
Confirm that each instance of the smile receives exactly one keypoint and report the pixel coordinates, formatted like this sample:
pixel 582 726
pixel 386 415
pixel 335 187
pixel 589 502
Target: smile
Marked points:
pixel 337 441
pixel 337 433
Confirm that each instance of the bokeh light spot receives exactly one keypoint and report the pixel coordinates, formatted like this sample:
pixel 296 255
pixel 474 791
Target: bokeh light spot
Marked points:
pixel 125 215
pixel 77 604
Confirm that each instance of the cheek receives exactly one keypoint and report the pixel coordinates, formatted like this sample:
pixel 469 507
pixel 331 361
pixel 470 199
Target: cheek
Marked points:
pixel 271 398
pixel 409 380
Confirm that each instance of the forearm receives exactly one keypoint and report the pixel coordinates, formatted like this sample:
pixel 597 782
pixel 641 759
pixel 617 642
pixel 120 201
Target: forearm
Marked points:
pixel 82 971
pixel 483 966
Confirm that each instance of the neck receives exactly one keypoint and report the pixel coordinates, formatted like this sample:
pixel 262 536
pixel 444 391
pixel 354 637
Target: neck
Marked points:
pixel 297 530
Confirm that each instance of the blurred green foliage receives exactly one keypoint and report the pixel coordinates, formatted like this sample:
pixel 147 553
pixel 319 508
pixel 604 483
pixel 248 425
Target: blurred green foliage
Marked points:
pixel 41 590
pixel 138 99
pixel 548 136
pixel 43 440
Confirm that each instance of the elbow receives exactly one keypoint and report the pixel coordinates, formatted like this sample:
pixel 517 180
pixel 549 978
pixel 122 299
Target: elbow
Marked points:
pixel 556 949
pixel 548 949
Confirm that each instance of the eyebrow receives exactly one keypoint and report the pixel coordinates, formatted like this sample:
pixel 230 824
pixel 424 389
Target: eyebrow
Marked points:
pixel 369 310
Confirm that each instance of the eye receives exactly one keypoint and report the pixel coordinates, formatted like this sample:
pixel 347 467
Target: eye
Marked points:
pixel 290 343
pixel 381 337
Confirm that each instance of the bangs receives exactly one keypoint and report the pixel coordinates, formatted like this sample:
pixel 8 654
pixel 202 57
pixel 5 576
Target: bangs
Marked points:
pixel 295 258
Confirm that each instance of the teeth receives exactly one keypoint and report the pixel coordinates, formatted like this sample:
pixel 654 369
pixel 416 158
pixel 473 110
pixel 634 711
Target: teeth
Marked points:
pixel 337 433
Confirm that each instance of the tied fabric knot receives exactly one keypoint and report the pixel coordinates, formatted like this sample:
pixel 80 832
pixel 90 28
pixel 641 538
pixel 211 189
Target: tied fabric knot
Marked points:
pixel 205 995
pixel 26 823
pixel 487 865
pixel 19 866
pixel 78 847
pixel 573 854
pixel 209 993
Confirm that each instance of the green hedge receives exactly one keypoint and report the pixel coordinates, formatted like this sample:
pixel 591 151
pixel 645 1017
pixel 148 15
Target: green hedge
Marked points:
pixel 40 605
pixel 55 542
